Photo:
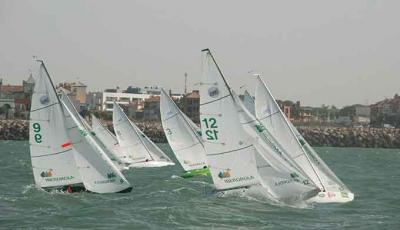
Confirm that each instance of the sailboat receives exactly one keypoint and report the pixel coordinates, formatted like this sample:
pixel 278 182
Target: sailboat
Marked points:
pixel 109 140
pixel 332 190
pixel 183 137
pixel 239 160
pixel 64 156
pixel 142 152
pixel 229 153
pixel 285 182
pixel 68 103
pixel 52 156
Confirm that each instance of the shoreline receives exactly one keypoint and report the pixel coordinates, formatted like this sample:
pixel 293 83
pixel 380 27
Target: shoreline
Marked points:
pixel 17 130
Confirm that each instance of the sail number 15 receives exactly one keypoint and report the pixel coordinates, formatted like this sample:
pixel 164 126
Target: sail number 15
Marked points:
pixel 211 126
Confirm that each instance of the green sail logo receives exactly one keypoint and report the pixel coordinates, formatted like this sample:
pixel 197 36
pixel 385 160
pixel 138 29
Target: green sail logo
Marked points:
pixel 48 173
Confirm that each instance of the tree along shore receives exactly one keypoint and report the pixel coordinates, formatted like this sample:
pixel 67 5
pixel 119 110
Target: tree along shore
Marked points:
pixel 316 136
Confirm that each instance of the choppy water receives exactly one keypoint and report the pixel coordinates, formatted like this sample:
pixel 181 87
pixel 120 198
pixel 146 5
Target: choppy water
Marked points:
pixel 163 201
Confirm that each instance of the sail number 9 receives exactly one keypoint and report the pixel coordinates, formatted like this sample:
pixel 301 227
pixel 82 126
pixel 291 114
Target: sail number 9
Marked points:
pixel 211 128
pixel 36 129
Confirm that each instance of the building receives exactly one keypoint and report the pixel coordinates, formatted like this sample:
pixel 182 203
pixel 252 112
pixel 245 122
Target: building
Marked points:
pixel 386 112
pixel 15 100
pixel 76 92
pixel 190 105
pixel 94 100
pixel 153 90
pixel 109 96
pixel 151 110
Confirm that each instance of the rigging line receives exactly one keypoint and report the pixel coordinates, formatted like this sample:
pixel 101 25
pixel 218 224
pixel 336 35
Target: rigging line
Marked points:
pixel 73 127
pixel 217 143
pixel 270 115
pixel 52 154
pixel 55 103
pixel 177 150
pixel 218 114
pixel 176 114
pixel 235 150
pixel 39 120
pixel 215 100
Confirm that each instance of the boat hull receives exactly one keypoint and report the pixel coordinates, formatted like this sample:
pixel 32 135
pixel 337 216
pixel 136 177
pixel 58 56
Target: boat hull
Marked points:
pixel 332 197
pixel 151 164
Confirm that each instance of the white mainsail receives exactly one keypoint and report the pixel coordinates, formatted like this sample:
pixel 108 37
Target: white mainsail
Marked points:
pixel 135 143
pixel 51 150
pixel 98 172
pixel 229 153
pixel 181 135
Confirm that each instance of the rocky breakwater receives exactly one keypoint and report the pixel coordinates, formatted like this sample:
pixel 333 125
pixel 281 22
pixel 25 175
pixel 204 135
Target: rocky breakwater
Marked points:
pixel 14 130
pixel 316 136
pixel 352 137
pixel 153 130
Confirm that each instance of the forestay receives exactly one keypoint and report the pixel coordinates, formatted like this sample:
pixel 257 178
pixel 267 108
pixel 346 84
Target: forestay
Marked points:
pixel 230 155
pixel 98 173
pixel 181 135
pixel 52 155
pixel 273 119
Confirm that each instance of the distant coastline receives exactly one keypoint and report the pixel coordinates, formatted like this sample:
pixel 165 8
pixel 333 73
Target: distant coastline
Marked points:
pixel 316 136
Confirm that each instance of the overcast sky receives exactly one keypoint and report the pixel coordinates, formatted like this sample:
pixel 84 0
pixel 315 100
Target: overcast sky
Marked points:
pixel 318 52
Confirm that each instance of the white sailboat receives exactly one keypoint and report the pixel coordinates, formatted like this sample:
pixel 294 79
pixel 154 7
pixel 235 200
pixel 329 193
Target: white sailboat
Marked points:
pixel 133 142
pixel 229 153
pixel 285 182
pixel 67 102
pixel 52 156
pixel 183 137
pixel 332 190
pixel 98 173
pixel 53 121
pixel 109 140
pixel 239 158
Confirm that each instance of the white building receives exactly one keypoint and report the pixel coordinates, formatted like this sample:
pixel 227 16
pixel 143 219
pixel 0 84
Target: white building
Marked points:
pixel 122 99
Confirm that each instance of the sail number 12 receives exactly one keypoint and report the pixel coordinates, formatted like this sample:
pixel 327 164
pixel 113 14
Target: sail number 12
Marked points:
pixel 211 131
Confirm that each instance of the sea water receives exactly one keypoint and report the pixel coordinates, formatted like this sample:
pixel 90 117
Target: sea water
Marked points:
pixel 161 199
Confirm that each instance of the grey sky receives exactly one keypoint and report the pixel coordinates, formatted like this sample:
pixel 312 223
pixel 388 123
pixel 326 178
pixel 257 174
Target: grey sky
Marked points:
pixel 320 52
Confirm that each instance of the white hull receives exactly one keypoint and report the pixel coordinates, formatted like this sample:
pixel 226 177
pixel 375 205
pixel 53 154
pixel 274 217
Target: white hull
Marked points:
pixel 151 164
pixel 332 197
